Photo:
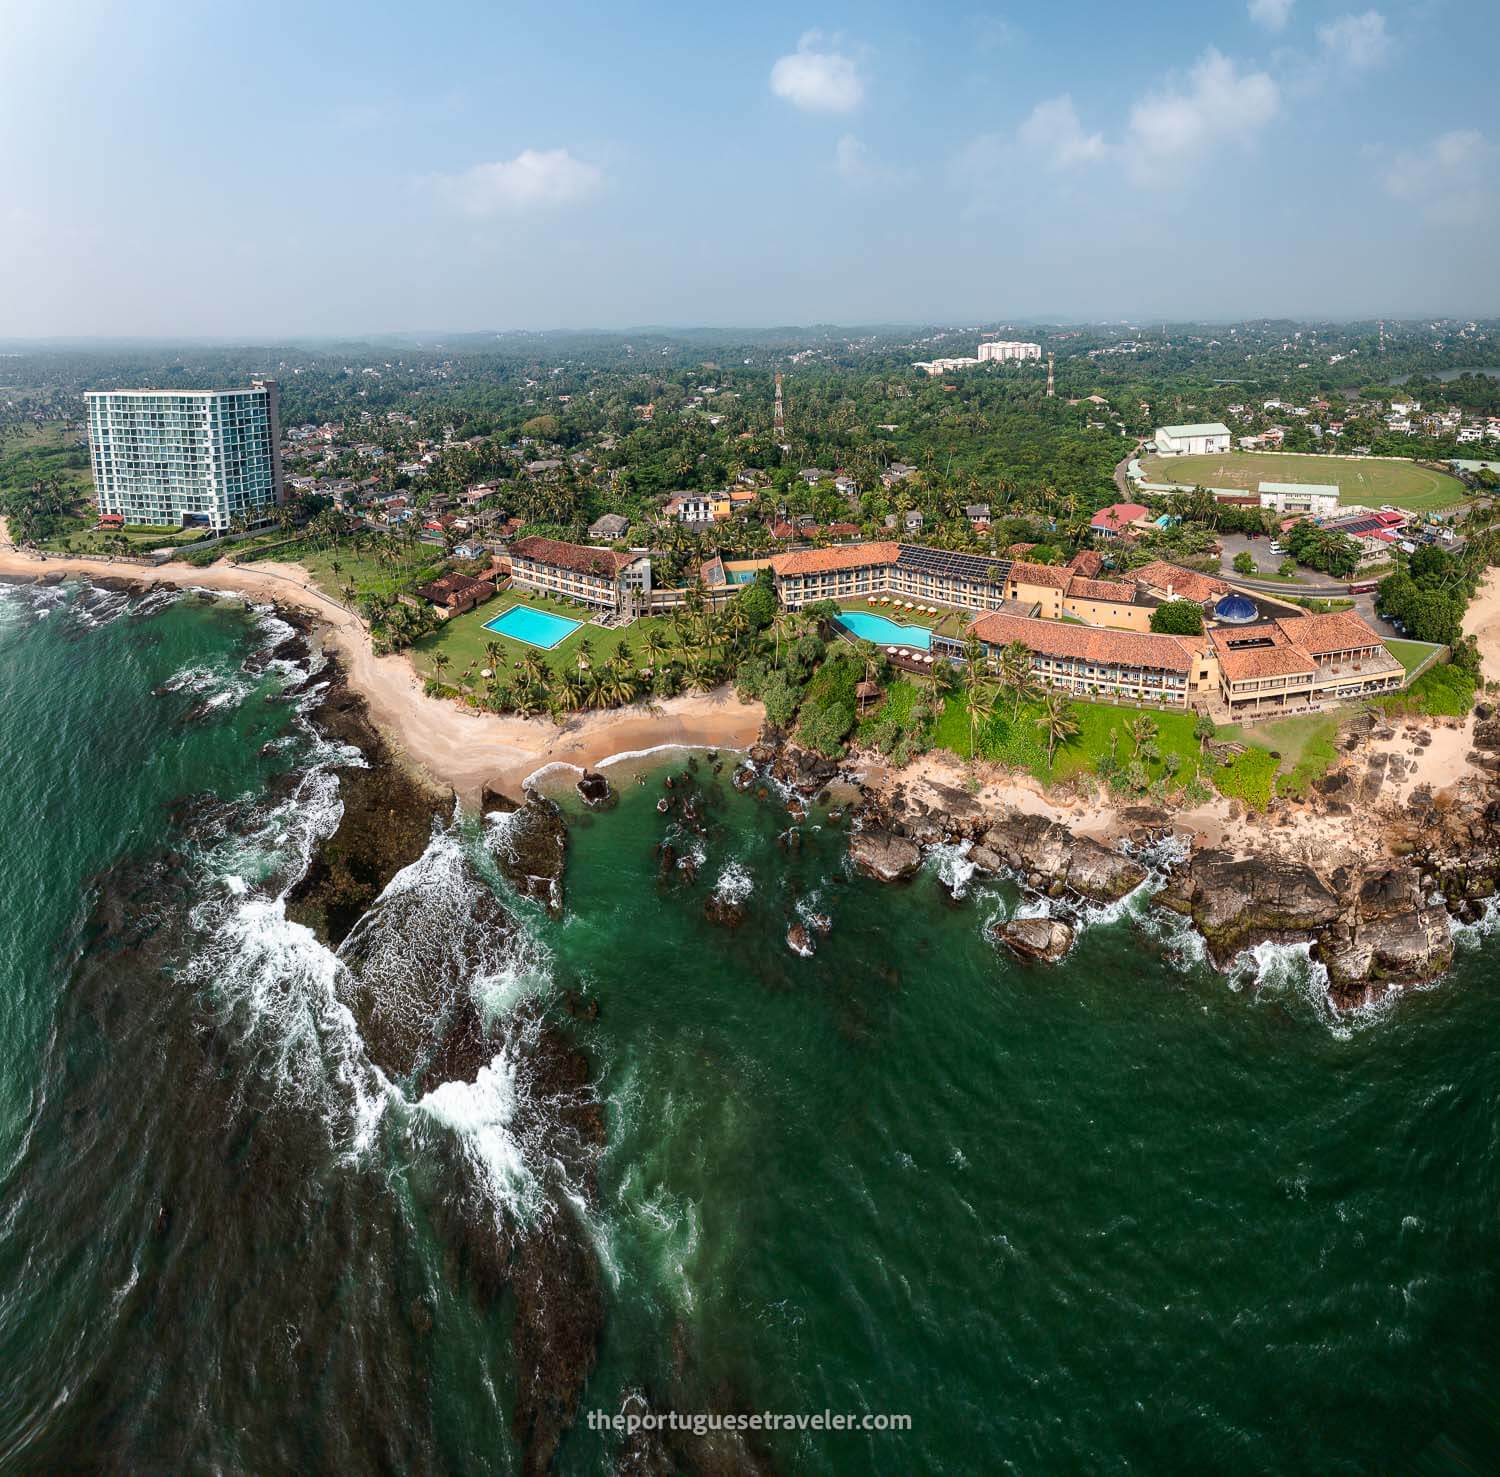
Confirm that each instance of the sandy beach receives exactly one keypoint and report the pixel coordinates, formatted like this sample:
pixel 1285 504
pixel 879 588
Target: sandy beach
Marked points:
pixel 455 746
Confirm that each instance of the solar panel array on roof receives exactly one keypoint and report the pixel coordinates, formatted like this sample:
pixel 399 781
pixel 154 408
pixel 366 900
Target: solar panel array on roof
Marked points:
pixel 947 562
pixel 1355 527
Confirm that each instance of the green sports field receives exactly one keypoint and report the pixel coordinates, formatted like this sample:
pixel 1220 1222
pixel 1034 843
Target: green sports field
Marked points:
pixel 1369 480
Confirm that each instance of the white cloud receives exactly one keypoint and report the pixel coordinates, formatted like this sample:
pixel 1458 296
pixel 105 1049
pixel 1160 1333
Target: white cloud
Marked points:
pixel 818 81
pixel 1357 41
pixel 1052 130
pixel 1272 14
pixel 1174 129
pixel 1453 181
pixel 536 179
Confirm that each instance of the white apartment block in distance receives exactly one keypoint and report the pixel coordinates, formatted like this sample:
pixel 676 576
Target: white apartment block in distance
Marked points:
pixel 1004 350
pixel 186 458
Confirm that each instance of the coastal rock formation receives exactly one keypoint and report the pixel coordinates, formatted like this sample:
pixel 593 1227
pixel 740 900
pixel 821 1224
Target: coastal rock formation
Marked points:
pixel 1037 847
pixel 595 791
pixel 1042 939
pixel 884 857
pixel 388 815
pixel 1236 904
pixel 530 846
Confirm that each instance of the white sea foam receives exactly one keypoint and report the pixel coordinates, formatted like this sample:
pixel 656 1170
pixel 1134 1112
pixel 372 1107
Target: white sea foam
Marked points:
pixel 481 1114
pixel 735 883
pixel 950 861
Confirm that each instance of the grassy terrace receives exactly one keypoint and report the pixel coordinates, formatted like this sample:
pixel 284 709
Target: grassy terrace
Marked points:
pixel 463 638
pixel 1411 654
pixel 82 536
pixel 1367 480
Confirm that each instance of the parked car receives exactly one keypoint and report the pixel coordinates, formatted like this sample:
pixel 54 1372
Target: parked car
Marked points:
pixel 1277 548
pixel 1407 547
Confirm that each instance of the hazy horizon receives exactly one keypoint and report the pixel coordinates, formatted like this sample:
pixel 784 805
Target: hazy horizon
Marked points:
pixel 279 173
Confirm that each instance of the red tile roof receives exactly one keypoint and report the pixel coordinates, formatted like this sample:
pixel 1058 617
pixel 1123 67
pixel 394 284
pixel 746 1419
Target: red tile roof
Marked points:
pixel 1321 635
pixel 1049 576
pixel 1185 584
pixel 1085 589
pixel 1087 562
pixel 823 561
pixel 580 558
pixel 1089 643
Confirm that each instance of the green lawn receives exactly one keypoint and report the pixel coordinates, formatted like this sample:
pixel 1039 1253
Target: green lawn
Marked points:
pixel 1368 480
pixel 358 565
pixel 1411 654
pixel 463 638
pixel 1020 744
pixel 83 536
pixel 1304 745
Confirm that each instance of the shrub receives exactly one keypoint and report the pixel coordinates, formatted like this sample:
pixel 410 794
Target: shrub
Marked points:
pixel 781 697
pixel 1178 618
pixel 1248 777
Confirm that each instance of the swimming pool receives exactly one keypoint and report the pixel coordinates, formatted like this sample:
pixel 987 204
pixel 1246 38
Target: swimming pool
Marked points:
pixel 882 632
pixel 534 627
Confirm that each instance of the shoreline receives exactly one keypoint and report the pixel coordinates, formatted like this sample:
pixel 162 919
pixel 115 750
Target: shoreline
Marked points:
pixel 469 752
pixel 472 752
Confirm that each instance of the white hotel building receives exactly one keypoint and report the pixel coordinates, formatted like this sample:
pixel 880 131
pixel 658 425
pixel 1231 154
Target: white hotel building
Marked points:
pixel 1004 350
pixel 186 457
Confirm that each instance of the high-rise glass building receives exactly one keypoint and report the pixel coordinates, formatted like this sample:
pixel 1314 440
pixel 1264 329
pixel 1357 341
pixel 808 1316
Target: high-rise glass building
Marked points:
pixel 185 457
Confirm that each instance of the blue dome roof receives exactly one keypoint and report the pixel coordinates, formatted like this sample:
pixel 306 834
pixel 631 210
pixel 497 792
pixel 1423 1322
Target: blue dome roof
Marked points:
pixel 1235 610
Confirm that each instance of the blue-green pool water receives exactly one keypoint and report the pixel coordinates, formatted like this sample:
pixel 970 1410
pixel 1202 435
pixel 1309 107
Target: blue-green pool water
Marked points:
pixel 534 627
pixel 884 632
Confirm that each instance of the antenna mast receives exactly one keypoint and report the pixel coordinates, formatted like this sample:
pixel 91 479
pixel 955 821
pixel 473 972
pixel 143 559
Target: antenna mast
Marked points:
pixel 1051 391
pixel 779 423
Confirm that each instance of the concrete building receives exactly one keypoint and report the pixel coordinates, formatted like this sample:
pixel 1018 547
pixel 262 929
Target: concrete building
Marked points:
pixel 602 577
pixel 611 527
pixel 1004 351
pixel 1299 497
pixel 184 458
pixel 1195 440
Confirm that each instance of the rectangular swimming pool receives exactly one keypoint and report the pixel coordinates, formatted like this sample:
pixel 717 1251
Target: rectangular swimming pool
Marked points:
pixel 882 632
pixel 534 627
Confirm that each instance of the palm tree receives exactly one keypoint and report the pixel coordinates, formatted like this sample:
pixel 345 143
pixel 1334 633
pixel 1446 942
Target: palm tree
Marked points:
pixel 979 704
pixel 653 648
pixel 492 654
pixel 1203 730
pixel 1141 730
pixel 1016 674
pixel 1057 722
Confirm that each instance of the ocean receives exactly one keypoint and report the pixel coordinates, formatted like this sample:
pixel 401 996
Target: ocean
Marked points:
pixel 1124 1213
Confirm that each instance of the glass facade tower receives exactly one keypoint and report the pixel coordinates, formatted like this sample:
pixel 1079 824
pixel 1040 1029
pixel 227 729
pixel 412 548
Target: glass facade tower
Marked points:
pixel 186 457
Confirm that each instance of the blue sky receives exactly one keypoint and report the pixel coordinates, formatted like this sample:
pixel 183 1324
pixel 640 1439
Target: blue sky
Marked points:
pixel 268 169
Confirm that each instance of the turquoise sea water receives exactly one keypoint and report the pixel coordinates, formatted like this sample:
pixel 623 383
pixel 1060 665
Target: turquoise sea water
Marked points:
pixel 1125 1214
pixel 534 627
pixel 884 632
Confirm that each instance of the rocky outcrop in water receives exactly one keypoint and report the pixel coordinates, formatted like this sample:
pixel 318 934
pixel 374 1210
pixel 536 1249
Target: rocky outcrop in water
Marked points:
pixel 595 791
pixel 885 857
pixel 531 847
pixel 1045 940
pixel 1236 904
pixel 1050 855
pixel 389 813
